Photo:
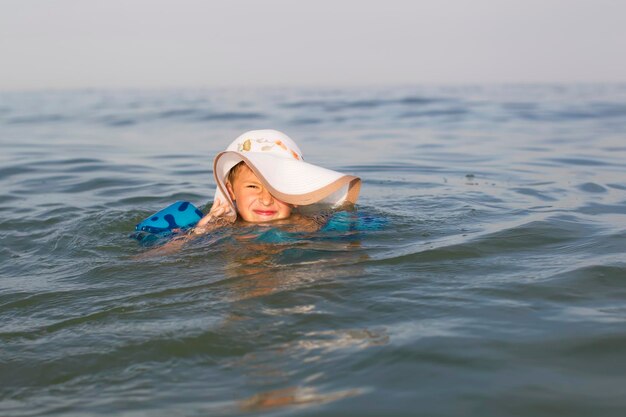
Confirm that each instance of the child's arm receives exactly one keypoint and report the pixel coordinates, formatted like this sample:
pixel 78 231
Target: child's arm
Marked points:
pixel 221 215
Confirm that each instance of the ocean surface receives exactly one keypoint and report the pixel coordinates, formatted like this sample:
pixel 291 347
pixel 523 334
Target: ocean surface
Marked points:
pixel 483 273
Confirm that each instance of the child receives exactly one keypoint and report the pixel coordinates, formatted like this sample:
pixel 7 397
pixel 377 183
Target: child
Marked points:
pixel 262 178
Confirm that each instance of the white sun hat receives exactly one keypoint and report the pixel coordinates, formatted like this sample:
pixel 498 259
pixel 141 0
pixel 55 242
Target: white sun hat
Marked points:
pixel 277 162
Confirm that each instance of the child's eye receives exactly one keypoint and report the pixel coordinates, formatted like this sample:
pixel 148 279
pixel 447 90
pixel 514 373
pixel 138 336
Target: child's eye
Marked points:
pixel 252 186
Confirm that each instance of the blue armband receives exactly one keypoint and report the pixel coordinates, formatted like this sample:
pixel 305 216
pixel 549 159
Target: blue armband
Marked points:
pixel 180 215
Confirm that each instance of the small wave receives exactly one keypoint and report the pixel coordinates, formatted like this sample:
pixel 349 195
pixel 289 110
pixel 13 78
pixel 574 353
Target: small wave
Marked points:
pixel 534 193
pixel 415 100
pixel 119 121
pixel 99 183
pixel 363 104
pixel 617 186
pixel 434 113
pixel 592 314
pixel 231 116
pixel 596 208
pixel 335 105
pixel 560 235
pixel 38 119
pixel 386 167
pixel 579 161
pixel 305 121
pixel 168 114
pixel 590 112
pixel 592 187
pixel 10 171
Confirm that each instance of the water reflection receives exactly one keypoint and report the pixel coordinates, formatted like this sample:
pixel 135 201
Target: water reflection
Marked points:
pixel 256 270
pixel 329 340
pixel 293 396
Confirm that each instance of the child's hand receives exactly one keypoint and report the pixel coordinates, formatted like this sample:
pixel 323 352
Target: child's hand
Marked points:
pixel 221 214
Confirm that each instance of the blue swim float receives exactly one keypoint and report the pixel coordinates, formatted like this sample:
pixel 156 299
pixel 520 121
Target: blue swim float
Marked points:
pixel 179 215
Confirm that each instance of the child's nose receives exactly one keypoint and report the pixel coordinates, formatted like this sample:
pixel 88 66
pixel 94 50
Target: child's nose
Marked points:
pixel 266 197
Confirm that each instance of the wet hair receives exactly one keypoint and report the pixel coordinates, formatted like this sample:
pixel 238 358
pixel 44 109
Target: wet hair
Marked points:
pixel 234 171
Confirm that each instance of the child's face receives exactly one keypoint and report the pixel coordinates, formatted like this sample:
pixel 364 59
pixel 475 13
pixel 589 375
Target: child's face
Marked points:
pixel 254 202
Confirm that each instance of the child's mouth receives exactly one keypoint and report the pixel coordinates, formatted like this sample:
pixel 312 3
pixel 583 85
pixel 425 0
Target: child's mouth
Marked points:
pixel 265 212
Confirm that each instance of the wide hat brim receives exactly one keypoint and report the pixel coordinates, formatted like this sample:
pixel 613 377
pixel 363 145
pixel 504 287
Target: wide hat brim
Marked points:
pixel 292 181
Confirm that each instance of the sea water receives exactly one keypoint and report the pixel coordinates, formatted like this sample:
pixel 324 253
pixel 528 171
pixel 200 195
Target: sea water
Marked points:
pixel 490 279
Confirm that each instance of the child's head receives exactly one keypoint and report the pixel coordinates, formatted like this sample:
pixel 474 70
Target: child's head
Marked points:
pixel 271 161
pixel 253 200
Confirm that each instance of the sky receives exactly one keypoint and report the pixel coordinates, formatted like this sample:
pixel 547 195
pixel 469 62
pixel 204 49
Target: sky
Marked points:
pixel 74 44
